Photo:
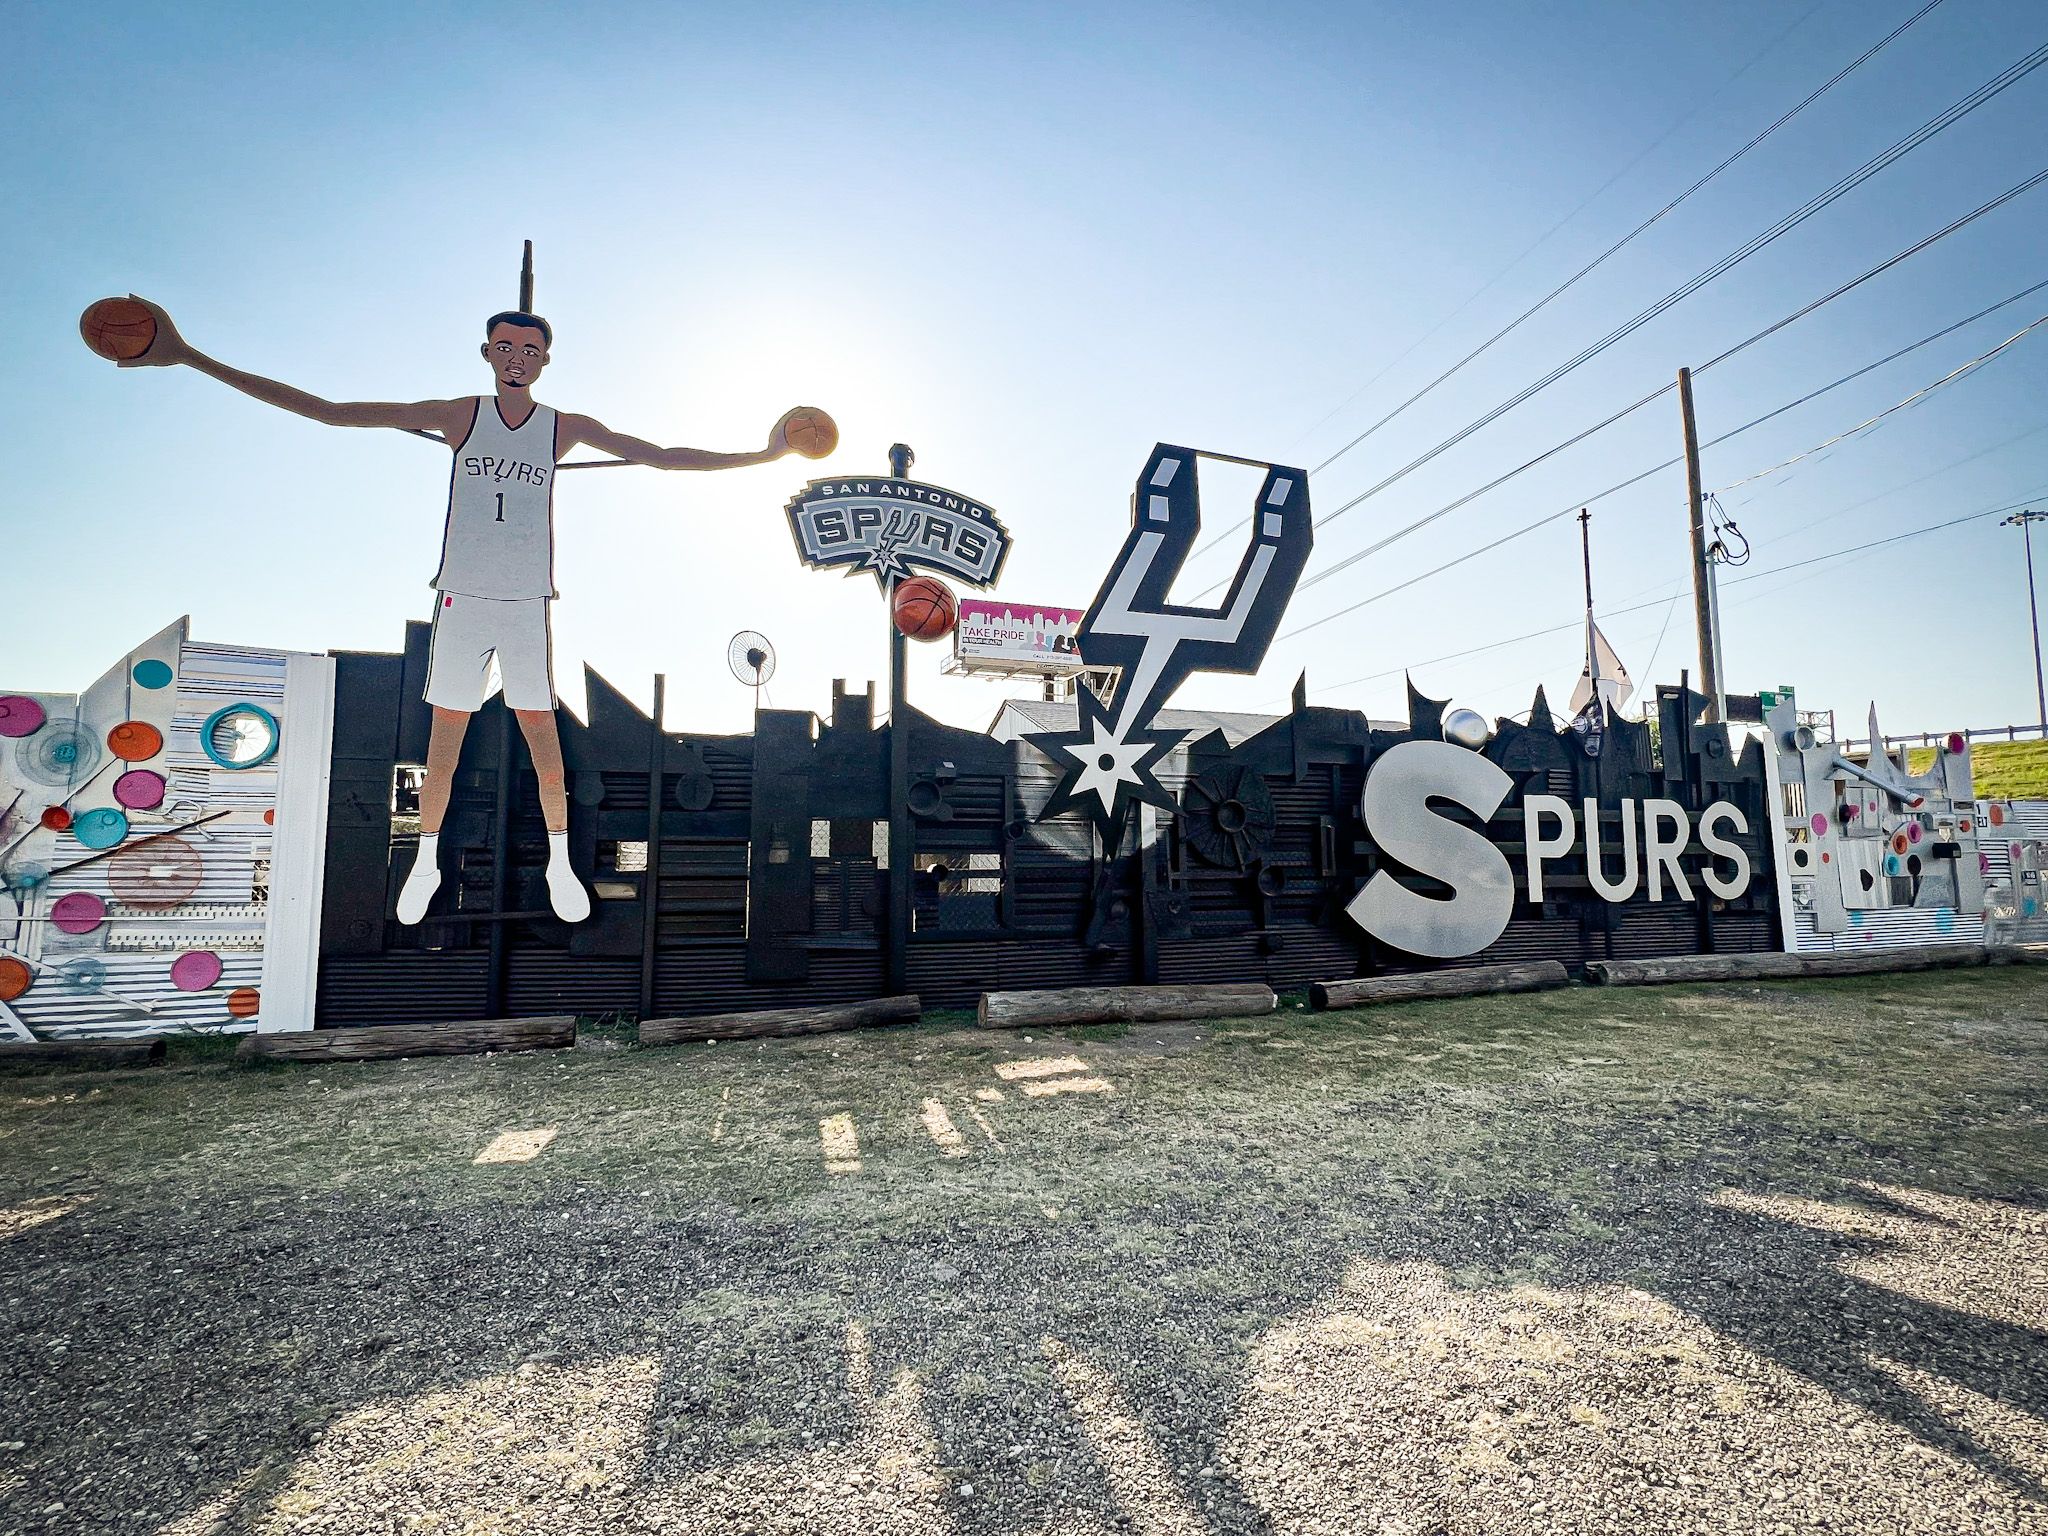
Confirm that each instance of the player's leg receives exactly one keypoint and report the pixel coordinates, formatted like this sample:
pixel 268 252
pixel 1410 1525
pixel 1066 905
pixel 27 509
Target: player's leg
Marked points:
pixel 444 751
pixel 457 671
pixel 526 663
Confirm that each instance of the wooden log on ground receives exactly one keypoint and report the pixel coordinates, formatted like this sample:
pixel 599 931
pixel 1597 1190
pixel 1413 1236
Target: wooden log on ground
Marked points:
pixel 1778 966
pixel 1468 981
pixel 1123 1005
pixel 57 1054
pixel 383 1041
pixel 773 1023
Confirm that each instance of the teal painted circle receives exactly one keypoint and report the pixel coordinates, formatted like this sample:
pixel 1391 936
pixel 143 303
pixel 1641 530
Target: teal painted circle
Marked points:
pixel 151 673
pixel 100 828
pixel 250 729
pixel 23 877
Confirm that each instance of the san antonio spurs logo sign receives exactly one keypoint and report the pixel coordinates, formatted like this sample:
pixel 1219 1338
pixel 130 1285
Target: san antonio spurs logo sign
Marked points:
pixel 1156 644
pixel 893 527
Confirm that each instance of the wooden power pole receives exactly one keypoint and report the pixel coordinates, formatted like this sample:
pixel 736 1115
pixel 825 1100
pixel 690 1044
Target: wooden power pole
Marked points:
pixel 1702 603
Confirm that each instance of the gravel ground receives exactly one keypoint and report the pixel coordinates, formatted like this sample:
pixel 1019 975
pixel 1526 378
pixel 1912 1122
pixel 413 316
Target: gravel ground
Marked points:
pixel 1702 1259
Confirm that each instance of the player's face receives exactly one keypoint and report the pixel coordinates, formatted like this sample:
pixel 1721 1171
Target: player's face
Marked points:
pixel 516 353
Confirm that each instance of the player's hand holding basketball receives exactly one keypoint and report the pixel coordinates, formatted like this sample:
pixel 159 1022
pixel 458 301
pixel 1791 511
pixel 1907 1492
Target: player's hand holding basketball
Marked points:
pixel 805 430
pixel 133 333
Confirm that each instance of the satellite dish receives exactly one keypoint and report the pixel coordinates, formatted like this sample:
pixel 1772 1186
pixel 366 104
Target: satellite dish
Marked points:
pixel 752 660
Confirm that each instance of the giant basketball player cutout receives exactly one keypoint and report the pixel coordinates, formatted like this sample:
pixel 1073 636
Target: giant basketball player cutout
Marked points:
pixel 496 579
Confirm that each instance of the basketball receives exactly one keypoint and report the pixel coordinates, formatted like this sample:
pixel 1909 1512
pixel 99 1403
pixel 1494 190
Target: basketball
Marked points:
pixel 924 608
pixel 120 330
pixel 810 431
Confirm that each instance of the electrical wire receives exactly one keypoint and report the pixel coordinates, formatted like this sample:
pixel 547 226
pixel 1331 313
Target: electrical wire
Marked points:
pixel 1918 395
pixel 1632 480
pixel 2019 189
pixel 2011 75
pixel 1841 75
pixel 1594 196
pixel 1615 613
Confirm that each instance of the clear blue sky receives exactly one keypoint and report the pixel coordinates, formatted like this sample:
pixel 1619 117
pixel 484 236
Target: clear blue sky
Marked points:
pixel 1031 241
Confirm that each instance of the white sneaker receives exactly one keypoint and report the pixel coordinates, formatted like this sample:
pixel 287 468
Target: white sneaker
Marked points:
pixel 421 884
pixel 566 893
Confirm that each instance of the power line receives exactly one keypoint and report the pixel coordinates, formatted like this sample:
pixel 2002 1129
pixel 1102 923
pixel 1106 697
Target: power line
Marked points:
pixel 1913 399
pixel 1947 118
pixel 1594 196
pixel 1843 74
pixel 1932 474
pixel 1638 478
pixel 1663 598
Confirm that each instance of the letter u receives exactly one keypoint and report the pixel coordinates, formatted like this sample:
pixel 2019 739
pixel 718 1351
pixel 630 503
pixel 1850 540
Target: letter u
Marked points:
pixel 1631 865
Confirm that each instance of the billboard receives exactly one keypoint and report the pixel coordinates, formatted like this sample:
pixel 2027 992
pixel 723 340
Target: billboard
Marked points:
pixel 998 636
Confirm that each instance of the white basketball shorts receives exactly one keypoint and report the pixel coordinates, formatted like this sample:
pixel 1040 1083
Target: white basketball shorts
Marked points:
pixel 470 631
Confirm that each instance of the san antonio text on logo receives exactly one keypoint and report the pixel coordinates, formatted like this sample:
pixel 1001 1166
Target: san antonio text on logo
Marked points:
pixel 892 527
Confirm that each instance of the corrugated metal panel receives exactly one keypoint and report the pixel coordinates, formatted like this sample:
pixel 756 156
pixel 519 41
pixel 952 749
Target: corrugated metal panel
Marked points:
pixel 402 988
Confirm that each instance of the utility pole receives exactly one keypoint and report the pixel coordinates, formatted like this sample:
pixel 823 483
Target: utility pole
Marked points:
pixel 2026 520
pixel 897 956
pixel 1702 599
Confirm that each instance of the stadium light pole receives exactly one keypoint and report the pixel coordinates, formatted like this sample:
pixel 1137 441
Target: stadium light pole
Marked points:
pixel 2026 520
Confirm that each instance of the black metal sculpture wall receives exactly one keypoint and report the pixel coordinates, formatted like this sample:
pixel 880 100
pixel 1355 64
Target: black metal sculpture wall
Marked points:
pixel 751 871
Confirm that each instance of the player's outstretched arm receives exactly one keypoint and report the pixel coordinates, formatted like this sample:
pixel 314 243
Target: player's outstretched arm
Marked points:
pixel 450 418
pixel 586 431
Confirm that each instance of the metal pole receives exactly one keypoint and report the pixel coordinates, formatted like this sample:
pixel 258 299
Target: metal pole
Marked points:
pixel 1702 612
pixel 526 280
pixel 650 880
pixel 1586 552
pixel 2026 520
pixel 898 953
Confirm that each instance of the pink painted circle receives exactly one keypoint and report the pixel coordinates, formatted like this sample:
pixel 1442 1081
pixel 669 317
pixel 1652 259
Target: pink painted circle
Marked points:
pixel 1956 742
pixel 1914 831
pixel 78 912
pixel 1820 823
pixel 195 970
pixel 19 716
pixel 140 789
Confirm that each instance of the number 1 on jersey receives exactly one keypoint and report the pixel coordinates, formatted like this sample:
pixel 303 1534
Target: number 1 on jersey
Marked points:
pixel 501 506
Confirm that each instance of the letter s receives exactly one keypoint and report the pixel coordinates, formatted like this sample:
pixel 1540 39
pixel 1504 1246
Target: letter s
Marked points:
pixel 1400 822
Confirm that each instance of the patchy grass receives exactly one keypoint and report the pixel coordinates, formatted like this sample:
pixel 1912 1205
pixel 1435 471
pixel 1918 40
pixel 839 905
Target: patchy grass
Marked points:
pixel 1437 1262
pixel 2001 770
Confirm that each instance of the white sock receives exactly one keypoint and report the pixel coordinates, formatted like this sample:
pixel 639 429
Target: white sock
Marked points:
pixel 424 880
pixel 565 892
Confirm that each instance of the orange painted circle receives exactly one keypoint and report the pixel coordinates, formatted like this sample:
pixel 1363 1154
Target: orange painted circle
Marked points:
pixel 243 1002
pixel 270 817
pixel 55 819
pixel 1997 814
pixel 15 978
pixel 135 741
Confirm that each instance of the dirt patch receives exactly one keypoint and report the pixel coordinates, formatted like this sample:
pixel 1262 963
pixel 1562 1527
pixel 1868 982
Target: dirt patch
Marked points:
pixel 1684 1259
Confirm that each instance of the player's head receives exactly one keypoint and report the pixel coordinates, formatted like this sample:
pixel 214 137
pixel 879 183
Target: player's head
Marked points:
pixel 516 346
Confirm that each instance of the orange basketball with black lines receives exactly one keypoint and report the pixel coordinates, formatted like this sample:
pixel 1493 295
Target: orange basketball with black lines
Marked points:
pixel 924 608
pixel 810 431
pixel 120 330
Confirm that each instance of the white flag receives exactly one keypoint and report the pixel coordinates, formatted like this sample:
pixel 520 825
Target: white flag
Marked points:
pixel 1604 669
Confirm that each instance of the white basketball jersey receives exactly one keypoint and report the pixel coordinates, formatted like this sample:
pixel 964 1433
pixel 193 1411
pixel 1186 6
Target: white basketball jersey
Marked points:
pixel 500 538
